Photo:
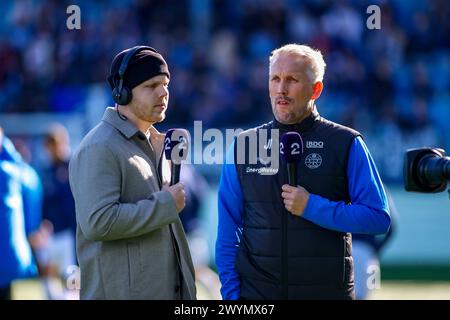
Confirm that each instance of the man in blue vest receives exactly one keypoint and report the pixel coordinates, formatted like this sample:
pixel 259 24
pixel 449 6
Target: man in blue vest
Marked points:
pixel 277 241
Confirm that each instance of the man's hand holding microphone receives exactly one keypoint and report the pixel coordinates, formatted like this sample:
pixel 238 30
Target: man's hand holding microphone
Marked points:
pixel 294 196
pixel 178 194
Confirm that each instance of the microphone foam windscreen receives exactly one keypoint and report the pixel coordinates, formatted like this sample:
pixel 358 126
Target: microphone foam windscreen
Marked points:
pixel 291 147
pixel 176 144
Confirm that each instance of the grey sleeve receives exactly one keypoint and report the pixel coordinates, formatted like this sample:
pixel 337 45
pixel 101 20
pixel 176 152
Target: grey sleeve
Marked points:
pixel 95 181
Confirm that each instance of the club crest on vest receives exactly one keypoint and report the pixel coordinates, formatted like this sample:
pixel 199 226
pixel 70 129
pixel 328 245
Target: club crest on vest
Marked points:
pixel 313 161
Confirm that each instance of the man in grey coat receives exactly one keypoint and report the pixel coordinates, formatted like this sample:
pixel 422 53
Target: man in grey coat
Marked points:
pixel 130 241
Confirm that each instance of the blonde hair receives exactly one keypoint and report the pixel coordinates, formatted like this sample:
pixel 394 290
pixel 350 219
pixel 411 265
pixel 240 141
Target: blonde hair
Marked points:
pixel 317 65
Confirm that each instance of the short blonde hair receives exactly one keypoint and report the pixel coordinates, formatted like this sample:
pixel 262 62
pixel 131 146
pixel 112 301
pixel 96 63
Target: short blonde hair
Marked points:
pixel 317 65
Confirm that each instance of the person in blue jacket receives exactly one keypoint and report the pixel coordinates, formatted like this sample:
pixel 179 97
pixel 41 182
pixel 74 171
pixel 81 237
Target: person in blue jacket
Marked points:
pixel 277 241
pixel 367 249
pixel 20 216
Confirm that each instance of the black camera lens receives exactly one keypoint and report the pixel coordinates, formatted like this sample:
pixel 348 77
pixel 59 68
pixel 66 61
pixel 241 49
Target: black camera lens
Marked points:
pixel 433 170
pixel 426 170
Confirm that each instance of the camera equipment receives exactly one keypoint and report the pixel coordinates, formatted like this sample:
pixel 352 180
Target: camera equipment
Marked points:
pixel 426 170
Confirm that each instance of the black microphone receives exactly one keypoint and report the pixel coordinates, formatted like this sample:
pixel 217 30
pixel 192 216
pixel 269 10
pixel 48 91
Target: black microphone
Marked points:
pixel 291 150
pixel 176 144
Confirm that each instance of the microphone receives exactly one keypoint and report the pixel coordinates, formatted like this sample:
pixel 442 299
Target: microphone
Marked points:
pixel 176 145
pixel 291 150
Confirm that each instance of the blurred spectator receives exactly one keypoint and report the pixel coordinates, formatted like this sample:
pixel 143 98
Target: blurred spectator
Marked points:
pixel 59 207
pixel 20 217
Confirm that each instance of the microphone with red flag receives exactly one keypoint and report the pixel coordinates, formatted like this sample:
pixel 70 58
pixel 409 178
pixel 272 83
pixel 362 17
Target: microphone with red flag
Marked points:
pixel 291 150
pixel 176 144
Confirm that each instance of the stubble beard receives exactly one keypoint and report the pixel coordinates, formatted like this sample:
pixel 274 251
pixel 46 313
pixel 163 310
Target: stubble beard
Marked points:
pixel 291 117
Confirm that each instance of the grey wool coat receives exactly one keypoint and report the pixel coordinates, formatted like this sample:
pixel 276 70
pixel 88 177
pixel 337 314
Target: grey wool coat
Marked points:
pixel 128 230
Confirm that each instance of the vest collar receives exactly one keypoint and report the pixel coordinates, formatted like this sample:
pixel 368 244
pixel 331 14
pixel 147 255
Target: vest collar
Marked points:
pixel 305 125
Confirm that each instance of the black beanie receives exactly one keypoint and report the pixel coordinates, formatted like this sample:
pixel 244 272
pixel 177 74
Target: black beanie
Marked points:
pixel 144 65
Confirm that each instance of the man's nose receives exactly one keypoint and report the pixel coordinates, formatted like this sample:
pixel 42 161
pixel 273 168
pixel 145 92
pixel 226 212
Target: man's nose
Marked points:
pixel 282 88
pixel 164 92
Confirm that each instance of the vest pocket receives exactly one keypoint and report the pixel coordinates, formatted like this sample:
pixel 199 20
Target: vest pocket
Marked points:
pixel 247 266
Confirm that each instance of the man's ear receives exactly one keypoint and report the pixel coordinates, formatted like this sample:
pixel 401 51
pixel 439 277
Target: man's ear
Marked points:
pixel 317 90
